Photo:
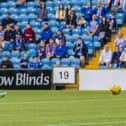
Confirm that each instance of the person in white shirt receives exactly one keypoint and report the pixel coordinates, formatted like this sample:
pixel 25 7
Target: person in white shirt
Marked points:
pixel 120 42
pixel 106 56
pixel 123 58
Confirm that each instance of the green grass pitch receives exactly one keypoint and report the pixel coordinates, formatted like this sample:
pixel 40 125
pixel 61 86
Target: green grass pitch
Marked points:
pixel 62 108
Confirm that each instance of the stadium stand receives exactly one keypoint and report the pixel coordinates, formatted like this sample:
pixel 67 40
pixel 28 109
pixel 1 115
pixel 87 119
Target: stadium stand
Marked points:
pixel 49 26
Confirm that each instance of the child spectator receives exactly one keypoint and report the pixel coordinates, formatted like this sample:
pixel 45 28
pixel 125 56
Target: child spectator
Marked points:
pixel 68 11
pixel 46 33
pixel 1 35
pixel 71 21
pixel 41 49
pixel 61 50
pixel 80 50
pixel 60 13
pixel 50 48
pixel 106 56
pixel 123 58
pixel 29 34
pixel 24 61
pixel 42 13
pixel 36 64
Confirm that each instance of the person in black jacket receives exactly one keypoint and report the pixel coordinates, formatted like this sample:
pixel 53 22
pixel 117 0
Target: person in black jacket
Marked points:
pixel 8 20
pixel 9 35
pixel 80 49
pixel 6 63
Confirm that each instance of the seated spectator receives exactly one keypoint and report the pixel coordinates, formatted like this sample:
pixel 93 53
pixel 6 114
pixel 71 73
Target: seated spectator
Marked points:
pixel 87 11
pixel 116 5
pixel 36 64
pixel 6 63
pixel 9 35
pixel 71 21
pixel 123 58
pixel 24 61
pixel 61 50
pixel 41 49
pixel 29 34
pixel 7 20
pixel 112 22
pixel 93 26
pixel 17 30
pixel 80 50
pixel 115 58
pixel 19 43
pixel 82 22
pixel 1 35
pixel 59 35
pixel 120 42
pixel 105 58
pixel 60 13
pixel 68 10
pixel 50 49
pixel 46 33
pixel 42 13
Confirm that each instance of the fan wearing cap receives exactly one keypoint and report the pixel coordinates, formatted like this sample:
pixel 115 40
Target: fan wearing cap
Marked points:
pixel 6 63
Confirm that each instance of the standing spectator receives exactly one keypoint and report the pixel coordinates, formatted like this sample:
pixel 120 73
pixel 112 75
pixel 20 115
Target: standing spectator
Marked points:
pixel 120 42
pixel 17 30
pixel 9 35
pixel 50 48
pixel 59 36
pixel 19 43
pixel 61 50
pixel 81 51
pixel 29 34
pixel 41 49
pixel 115 57
pixel 106 56
pixel 1 35
pixel 42 13
pixel 6 63
pixel 24 61
pixel 36 64
pixel 71 21
pixel 123 58
pixel 7 20
pixel 93 26
pixel 87 11
pixel 46 33
pixel 82 22
pixel 60 13
pixel 68 11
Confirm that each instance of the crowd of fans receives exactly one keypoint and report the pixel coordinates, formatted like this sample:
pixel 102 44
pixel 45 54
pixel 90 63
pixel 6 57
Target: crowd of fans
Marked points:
pixel 49 46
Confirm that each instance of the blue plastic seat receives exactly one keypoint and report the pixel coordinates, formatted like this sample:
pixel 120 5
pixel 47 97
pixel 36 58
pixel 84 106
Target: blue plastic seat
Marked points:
pixel 32 10
pixel 37 30
pixel 32 46
pixel 51 16
pixel 46 67
pixel 15 54
pixel 97 44
pixel 6 53
pixel 50 10
pixel 8 46
pixel 77 8
pixel 69 45
pixel 54 60
pixel 66 31
pixel 33 4
pixel 13 11
pixel 4 5
pixel 32 16
pixel 35 24
pixel 53 23
pixel 76 31
pixel 23 17
pixel 23 24
pixel 15 60
pixel 54 29
pixel 75 62
pixel 17 66
pixel 11 3
pixel 70 52
pixel 65 62
pixel 31 53
pixel 87 38
pixel 46 61
pixel 23 11
pixel 50 4
pixel 3 10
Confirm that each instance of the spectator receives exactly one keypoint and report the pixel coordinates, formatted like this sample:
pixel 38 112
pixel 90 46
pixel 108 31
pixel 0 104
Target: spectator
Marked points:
pixel 59 35
pixel 123 58
pixel 82 22
pixel 41 49
pixel 19 43
pixel 46 33
pixel 7 20
pixel 42 13
pixel 112 22
pixel 19 3
pixel 36 64
pixel 81 51
pixel 106 56
pixel 1 36
pixel 24 61
pixel 68 11
pixel 17 30
pixel 87 11
pixel 50 49
pixel 115 57
pixel 61 50
pixel 116 5
pixel 71 21
pixel 6 63
pixel 93 26
pixel 9 35
pixel 120 42
pixel 60 13
pixel 29 34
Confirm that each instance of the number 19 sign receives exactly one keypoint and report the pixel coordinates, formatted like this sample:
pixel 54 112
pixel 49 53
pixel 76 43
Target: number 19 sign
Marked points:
pixel 63 75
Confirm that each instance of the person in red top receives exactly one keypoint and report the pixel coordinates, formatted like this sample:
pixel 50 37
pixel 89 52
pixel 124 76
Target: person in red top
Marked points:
pixel 29 34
